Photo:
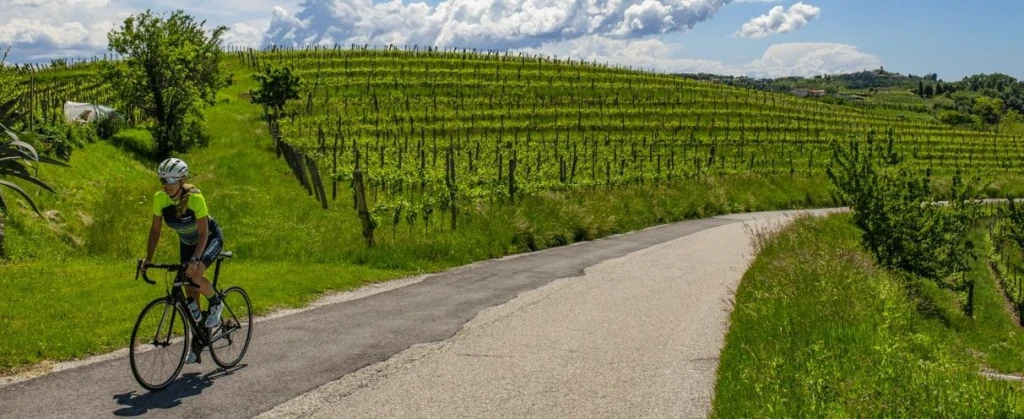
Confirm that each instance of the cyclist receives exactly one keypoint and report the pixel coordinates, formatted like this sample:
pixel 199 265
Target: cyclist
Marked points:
pixel 183 207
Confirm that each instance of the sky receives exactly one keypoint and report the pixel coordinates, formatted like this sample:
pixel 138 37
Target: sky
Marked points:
pixel 756 38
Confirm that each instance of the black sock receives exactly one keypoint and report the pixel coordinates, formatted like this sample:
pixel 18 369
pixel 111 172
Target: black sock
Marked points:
pixel 214 300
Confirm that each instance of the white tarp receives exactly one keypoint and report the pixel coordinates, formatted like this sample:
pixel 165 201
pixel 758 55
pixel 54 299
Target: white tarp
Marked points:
pixel 87 112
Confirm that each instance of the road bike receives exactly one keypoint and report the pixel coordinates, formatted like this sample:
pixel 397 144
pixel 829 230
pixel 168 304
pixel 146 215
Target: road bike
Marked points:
pixel 165 330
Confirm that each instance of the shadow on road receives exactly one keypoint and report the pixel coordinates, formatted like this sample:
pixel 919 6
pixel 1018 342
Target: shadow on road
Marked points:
pixel 187 385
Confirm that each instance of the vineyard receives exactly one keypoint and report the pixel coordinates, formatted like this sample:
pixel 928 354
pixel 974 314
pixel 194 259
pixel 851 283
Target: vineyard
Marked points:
pixel 443 129
pixel 434 130
pixel 42 90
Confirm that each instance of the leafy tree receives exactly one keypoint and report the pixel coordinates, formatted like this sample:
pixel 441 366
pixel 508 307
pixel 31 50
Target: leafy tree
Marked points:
pixel 170 66
pixel 990 109
pixel 920 88
pixel 277 87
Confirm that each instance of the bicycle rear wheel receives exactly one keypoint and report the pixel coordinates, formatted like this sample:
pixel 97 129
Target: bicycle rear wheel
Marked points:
pixel 231 339
pixel 159 344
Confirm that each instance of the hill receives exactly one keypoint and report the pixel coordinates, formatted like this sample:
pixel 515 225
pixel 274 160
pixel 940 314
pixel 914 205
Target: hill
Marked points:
pixel 465 156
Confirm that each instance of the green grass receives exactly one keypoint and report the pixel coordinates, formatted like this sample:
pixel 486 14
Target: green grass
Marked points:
pixel 818 330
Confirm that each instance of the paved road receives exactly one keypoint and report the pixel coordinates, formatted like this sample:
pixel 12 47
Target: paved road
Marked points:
pixel 296 355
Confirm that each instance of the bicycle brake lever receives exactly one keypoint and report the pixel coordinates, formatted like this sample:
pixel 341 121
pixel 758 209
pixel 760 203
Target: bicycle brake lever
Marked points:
pixel 138 269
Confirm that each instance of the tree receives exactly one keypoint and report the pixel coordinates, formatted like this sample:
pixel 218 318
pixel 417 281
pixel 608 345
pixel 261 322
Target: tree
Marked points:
pixel 988 109
pixel 170 66
pixel 929 91
pixel 277 87
pixel 15 159
pixel 920 88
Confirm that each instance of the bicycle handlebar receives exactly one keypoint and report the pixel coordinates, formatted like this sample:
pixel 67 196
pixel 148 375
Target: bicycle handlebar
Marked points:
pixel 169 267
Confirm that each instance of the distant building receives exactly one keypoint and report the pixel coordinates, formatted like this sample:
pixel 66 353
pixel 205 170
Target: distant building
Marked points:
pixel 808 92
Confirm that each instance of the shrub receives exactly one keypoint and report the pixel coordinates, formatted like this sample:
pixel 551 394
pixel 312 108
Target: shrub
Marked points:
pixel 902 226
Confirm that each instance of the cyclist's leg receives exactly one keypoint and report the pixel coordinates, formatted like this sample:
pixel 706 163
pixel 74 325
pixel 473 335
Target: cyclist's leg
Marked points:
pixel 213 247
pixel 186 254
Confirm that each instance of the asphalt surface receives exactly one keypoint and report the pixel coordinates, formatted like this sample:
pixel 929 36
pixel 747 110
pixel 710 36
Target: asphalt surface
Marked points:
pixel 296 355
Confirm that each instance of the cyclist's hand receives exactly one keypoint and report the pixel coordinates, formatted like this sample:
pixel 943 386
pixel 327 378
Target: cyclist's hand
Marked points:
pixel 195 270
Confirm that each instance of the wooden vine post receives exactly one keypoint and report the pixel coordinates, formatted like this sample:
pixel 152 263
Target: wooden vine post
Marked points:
pixel 364 213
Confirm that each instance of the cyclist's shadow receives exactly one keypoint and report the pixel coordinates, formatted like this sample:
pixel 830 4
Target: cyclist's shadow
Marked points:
pixel 187 385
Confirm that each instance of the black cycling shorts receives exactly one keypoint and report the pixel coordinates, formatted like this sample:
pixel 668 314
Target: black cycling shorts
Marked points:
pixel 214 245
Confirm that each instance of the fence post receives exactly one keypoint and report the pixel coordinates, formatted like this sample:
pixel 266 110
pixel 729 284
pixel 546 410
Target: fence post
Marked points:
pixel 970 299
pixel 301 162
pixel 512 178
pixel 364 213
pixel 318 185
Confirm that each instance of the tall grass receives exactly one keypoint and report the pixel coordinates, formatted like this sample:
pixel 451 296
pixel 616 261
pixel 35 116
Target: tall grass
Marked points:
pixel 819 331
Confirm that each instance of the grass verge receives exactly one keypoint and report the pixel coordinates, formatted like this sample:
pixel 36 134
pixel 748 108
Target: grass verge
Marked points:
pixel 819 331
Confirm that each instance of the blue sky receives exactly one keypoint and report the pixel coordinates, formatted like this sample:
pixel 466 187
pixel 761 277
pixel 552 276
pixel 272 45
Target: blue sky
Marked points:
pixel 740 37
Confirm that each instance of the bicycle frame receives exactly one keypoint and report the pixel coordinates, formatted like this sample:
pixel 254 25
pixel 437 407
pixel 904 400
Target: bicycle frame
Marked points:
pixel 177 296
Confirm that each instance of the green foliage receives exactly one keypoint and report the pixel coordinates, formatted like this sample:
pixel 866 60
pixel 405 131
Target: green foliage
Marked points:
pixel 955 118
pixel 8 79
pixel 276 87
pixel 1013 229
pixel 1000 86
pixel 170 67
pixel 989 109
pixel 894 209
pixel 15 159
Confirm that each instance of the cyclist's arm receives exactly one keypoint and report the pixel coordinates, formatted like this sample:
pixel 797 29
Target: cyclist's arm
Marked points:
pixel 204 233
pixel 154 237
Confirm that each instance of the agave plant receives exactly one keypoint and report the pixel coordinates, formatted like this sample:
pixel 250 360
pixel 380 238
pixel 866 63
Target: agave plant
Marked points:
pixel 16 158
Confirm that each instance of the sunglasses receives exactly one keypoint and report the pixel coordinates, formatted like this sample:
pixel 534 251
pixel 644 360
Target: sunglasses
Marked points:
pixel 169 180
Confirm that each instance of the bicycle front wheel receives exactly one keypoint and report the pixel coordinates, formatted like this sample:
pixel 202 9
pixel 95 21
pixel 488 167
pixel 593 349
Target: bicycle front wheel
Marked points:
pixel 231 339
pixel 159 344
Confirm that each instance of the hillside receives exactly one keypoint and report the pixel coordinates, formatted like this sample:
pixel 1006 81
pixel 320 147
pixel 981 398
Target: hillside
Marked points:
pixel 993 102
pixel 587 151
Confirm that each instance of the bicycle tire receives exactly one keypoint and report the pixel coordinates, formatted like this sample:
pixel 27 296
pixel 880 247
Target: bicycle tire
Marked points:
pixel 236 321
pixel 176 316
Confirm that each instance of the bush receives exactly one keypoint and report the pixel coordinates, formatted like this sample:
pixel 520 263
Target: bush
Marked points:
pixel 955 118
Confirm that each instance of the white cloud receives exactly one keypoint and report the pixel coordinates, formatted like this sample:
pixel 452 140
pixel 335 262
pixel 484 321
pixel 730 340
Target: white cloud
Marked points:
pixel 244 34
pixel 42 29
pixel 808 59
pixel 779 60
pixel 779 20
pixel 488 24
pixel 610 31
pixel 37 30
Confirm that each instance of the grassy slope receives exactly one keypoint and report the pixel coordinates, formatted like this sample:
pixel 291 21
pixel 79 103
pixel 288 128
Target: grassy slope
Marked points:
pixel 817 330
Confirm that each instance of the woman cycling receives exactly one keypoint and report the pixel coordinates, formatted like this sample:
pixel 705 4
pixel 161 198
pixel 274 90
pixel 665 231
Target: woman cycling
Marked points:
pixel 183 207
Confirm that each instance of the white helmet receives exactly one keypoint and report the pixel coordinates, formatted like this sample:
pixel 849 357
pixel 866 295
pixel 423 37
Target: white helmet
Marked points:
pixel 172 168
